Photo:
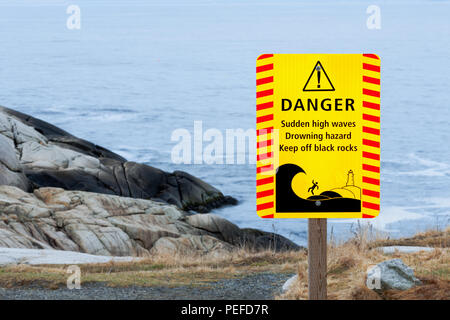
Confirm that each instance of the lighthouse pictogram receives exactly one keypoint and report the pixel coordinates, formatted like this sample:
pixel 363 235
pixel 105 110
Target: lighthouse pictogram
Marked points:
pixel 350 178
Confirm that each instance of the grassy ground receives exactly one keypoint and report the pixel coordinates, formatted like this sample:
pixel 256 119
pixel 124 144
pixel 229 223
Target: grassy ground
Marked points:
pixel 160 270
pixel 347 265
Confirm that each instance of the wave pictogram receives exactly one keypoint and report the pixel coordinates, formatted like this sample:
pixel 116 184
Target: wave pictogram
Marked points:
pixel 342 199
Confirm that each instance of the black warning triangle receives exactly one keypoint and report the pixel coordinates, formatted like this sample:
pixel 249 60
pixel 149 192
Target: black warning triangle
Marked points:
pixel 318 80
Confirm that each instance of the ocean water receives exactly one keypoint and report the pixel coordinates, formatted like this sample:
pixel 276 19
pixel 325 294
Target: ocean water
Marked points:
pixel 138 70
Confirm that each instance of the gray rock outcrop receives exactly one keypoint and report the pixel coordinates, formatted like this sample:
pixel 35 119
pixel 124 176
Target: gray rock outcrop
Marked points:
pixel 289 283
pixel 36 154
pixel 61 192
pixel 108 225
pixel 10 168
pixel 392 274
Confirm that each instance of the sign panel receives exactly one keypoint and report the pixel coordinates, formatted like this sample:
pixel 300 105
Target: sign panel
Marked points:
pixel 318 135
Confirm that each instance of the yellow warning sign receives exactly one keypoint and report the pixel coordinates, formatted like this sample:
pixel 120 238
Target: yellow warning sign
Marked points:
pixel 318 135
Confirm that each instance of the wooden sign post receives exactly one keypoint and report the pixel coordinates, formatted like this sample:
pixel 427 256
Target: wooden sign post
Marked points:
pixel 317 259
pixel 318 144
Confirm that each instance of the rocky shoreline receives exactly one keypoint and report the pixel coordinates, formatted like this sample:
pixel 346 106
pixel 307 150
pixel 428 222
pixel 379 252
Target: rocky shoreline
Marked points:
pixel 61 192
pixel 51 157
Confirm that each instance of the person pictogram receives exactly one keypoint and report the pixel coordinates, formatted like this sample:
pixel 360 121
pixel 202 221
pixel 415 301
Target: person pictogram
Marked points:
pixel 315 185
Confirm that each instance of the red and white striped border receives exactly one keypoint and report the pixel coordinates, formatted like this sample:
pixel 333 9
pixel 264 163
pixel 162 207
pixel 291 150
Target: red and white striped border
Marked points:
pixel 264 135
pixel 265 173
pixel 371 136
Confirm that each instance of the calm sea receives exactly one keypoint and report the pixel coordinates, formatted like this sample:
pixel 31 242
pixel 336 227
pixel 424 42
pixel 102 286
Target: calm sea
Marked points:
pixel 137 70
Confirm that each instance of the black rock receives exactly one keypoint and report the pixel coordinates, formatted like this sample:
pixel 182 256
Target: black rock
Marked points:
pixel 116 175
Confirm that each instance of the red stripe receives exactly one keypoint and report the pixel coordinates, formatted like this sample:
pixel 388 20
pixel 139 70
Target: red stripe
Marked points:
pixel 263 181
pixel 371 105
pixel 371 143
pixel 371 155
pixel 371 193
pixel 371 80
pixel 368 167
pixel 371 67
pixel 371 55
pixel 265 56
pixel 371 181
pixel 265 118
pixel 265 193
pixel 268 216
pixel 264 156
pixel 264 81
pixel 371 93
pixel 367 216
pixel 265 67
pixel 370 205
pixel 264 93
pixel 264 206
pixel 264 105
pixel 371 130
pixel 264 168
pixel 264 131
pixel 369 117
pixel 264 143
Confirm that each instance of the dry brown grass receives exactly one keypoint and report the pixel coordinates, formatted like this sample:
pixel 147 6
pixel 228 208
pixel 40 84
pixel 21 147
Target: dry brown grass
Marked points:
pixel 432 238
pixel 160 270
pixel 348 264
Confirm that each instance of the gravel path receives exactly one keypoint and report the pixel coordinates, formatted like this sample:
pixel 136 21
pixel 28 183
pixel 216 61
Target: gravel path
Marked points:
pixel 260 286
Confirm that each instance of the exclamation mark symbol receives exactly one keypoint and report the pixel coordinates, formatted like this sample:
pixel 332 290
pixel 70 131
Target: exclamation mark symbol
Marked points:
pixel 318 75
